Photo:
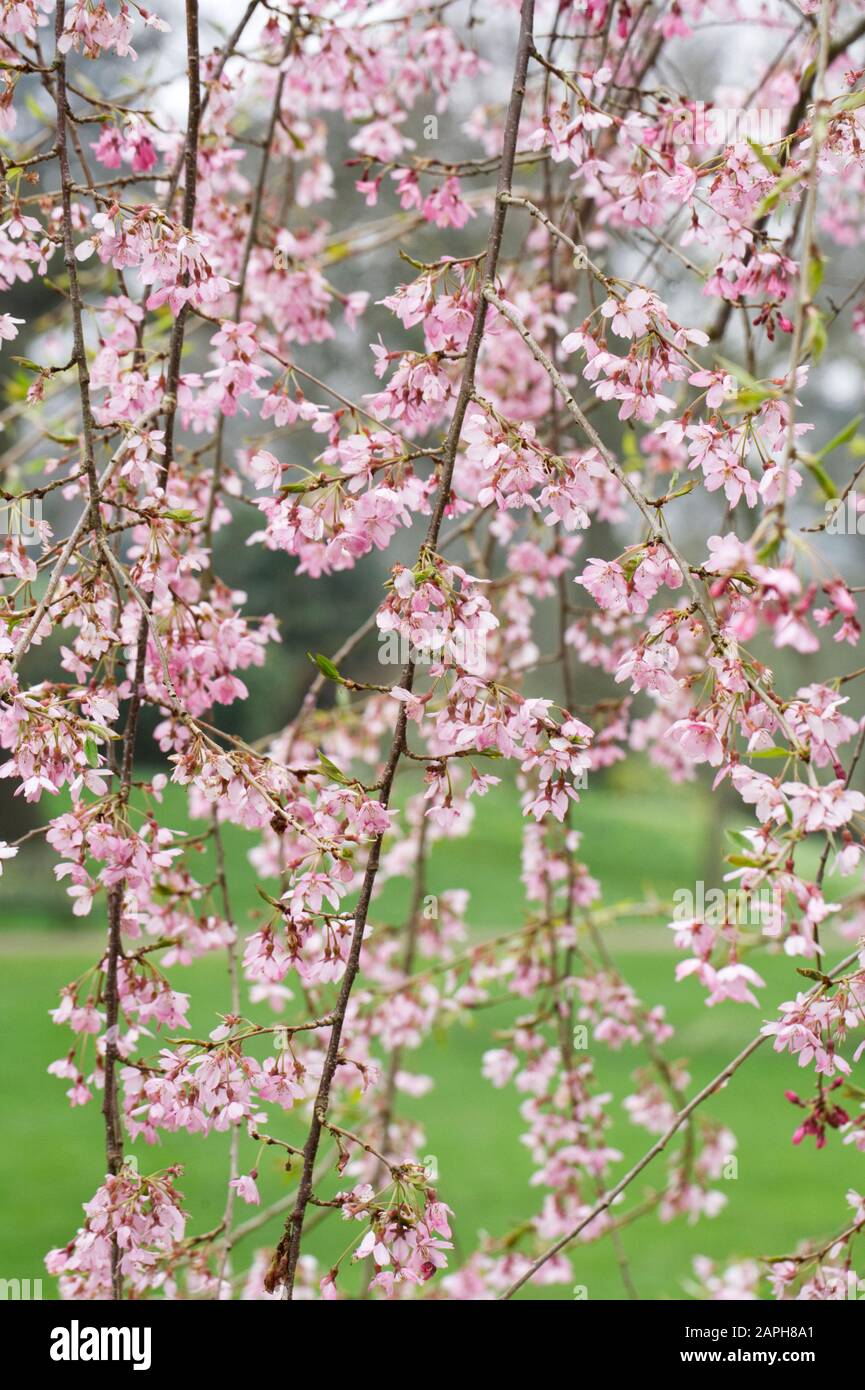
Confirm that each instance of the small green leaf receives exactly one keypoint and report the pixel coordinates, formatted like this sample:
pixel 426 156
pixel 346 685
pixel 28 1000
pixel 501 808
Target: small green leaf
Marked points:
pixel 325 666
pixel 752 392
pixel 769 550
pixel 745 378
pixel 739 838
pixel 681 491
pixel 766 159
pixel 813 975
pixel 629 447
pixel 842 437
pixel 771 200
pixel 818 472
pixel 332 770
pixel 100 730
pixel 274 902
pixel 34 108
pixel 817 337
pixel 814 273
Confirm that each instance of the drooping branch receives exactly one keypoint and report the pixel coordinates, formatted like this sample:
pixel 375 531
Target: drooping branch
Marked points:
pixel 701 602
pixel 284 1265
pixel 710 1089
pixel 79 347
pixel 110 1105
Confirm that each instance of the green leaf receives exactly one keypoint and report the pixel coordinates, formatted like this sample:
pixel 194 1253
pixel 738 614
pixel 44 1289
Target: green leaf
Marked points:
pixel 771 200
pixel 842 437
pixel 769 550
pixel 749 399
pixel 630 563
pixel 752 392
pixel 771 753
pixel 738 372
pixel 818 472
pixel 17 386
pixel 814 273
pixel 34 108
pixel 325 666
pixel 91 752
pixel 681 491
pixel 817 337
pixel 101 730
pixel 629 446
pixel 766 159
pixel 274 902
pixel 332 770
pixel 813 975
pixel 739 838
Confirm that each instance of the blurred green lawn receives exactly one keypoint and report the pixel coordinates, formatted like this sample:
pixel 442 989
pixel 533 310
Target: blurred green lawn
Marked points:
pixel 636 839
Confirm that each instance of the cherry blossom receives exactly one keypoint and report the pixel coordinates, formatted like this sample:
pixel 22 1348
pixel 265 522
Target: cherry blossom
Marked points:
pixel 554 387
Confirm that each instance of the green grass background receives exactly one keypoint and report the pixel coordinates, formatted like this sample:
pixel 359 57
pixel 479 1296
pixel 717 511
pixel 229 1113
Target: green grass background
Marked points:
pixel 640 836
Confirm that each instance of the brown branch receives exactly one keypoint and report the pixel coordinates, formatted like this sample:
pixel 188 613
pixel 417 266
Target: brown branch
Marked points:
pixel 797 116
pixel 406 966
pixel 251 236
pixel 227 53
pixel 701 603
pixel 234 990
pixel 65 555
pixel 809 250
pixel 79 350
pixel 110 1105
pixel 660 1144
pixel 284 1265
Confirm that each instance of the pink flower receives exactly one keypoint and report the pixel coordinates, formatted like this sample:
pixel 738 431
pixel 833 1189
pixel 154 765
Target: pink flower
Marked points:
pixel 630 316
pixel 246 1188
pixel 499 1066
pixel 8 851
pixel 9 327
pixel 731 982
pixel 605 581
pixel 266 469
pixel 698 741
pixel 823 808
